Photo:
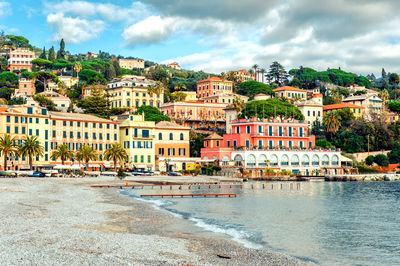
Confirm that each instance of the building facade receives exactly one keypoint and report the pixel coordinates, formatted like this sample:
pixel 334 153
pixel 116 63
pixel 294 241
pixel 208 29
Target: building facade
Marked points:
pixel 357 110
pixel 196 115
pixel 291 93
pixel 243 75
pixel 21 59
pixel 226 98
pixel 213 86
pixel 137 138
pixel 133 93
pixel 311 109
pixel 26 87
pixel 371 102
pixel 61 102
pixel 171 143
pixel 131 63
pixel 174 65
pixel 56 128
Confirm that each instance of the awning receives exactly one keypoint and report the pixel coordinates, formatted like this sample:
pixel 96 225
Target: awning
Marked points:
pixel 69 167
pixel 345 159
pixel 140 166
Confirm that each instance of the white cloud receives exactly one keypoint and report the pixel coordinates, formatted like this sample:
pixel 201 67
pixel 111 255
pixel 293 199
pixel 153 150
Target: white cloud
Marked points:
pixel 73 30
pixel 5 9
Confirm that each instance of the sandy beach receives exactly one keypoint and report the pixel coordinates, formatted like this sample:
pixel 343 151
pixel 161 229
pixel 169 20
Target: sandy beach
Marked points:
pixel 66 222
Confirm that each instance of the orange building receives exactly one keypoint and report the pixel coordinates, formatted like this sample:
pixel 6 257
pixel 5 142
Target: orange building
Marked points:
pixel 213 86
pixel 26 87
pixel 291 93
pixel 171 141
pixel 242 75
pixel 20 59
pixel 357 110
pixel 197 115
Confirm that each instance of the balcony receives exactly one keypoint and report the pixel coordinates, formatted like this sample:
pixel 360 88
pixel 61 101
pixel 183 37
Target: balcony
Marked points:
pixel 140 136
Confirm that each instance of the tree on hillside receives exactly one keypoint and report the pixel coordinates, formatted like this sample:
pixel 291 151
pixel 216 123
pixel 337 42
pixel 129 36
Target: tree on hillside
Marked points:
pixel 43 55
pixel 271 108
pixel 61 53
pixel 117 68
pixel 110 72
pixel 331 122
pixel 177 96
pixel 52 54
pixel 255 67
pixel 44 77
pixel 17 41
pixel 383 73
pixel 277 73
pixel 96 104
pixel 157 88
pixel 152 114
pixel 77 68
pixel 45 102
pixel 394 79
pixel 91 77
pixel 42 63
pixel 251 88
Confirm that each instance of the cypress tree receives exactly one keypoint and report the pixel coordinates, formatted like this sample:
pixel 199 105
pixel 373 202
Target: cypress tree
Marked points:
pixel 52 54
pixel 43 55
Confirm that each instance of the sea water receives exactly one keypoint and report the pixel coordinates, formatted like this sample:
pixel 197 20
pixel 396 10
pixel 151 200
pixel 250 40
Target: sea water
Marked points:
pixel 329 223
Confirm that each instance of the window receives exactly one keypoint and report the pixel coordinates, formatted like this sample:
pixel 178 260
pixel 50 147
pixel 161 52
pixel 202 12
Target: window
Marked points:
pixel 94 135
pixel 280 143
pixel 234 143
pixel 79 135
pixel 145 133
pixel 127 131
pixel 46 134
pixel 135 159
pixel 260 129
pixel 64 123
pixel 71 134
pixel 8 118
pixel 94 125
pixel 16 130
pixel 108 126
pixel 30 110
pixel 290 143
pixel 64 134
pixel 115 136
pixel 16 119
pixel 149 158
pixel 101 136
pixel 142 158
pixel 46 121
pixel 171 136
pixel 270 131
pixel 290 131
pixel 181 136
pixel 217 143
pixel 271 144
pixel 160 136
pixel 301 132
pixel 280 131
pixel 260 143
pixel 86 135
pixel 54 121
pixel 247 143
pixel 23 130
pixel 108 136
pixel 248 129
pixel 237 130
pixel 8 129
pixel 86 124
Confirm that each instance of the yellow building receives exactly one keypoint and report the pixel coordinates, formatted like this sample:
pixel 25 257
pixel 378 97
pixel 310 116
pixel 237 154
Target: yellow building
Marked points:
pixel 311 109
pixel 56 128
pixel 131 63
pixel 171 146
pixel 136 136
pixel 190 95
pixel 227 98
pixel 242 75
pixel 133 93
pixel 357 110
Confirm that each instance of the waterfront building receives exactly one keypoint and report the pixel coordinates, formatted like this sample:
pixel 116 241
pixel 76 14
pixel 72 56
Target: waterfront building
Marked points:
pixel 227 98
pixel 371 102
pixel 137 138
pixel 291 93
pixel 21 59
pixel 357 110
pixel 133 92
pixel 174 65
pixel 131 63
pixel 196 115
pixel 259 144
pixel 171 144
pixel 26 87
pixel 213 86
pixel 311 109
pixel 53 129
pixel 242 75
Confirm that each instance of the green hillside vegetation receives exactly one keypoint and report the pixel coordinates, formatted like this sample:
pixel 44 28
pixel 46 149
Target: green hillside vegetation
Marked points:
pixel 251 88
pixel 271 108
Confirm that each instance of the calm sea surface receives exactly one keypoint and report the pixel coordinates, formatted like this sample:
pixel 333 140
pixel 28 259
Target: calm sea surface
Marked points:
pixel 324 222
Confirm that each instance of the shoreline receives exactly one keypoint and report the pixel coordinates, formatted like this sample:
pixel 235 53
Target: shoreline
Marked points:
pixel 64 221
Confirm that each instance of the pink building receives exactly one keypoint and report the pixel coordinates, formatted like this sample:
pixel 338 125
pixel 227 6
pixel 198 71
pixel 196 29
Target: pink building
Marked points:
pixel 26 87
pixel 213 86
pixel 254 134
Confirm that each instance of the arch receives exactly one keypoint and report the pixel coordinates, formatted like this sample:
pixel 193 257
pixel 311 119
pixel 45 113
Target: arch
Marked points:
pixel 251 160
pixel 205 158
pixel 315 160
pixel 273 160
pixel 305 160
pixel 215 158
pixel 238 158
pixel 225 158
pixel 284 160
pixel 262 160
pixel 294 161
pixel 325 160
pixel 335 160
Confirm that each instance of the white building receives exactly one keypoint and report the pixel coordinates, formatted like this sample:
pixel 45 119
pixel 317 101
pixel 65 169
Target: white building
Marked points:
pixel 311 109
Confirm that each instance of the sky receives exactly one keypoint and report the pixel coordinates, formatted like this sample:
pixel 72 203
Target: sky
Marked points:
pixel 216 36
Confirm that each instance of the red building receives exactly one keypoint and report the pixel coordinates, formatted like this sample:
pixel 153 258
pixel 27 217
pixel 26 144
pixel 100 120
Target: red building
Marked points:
pixel 213 86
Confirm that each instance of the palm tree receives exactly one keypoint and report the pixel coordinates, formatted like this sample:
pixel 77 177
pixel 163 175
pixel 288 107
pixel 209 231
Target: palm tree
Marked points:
pixel 116 153
pixel 63 152
pixel 7 147
pixel 238 104
pixel 262 70
pixel 157 88
pixel 77 68
pixel 384 95
pixel 180 87
pixel 331 122
pixel 86 153
pixel 30 148
pixel 223 76
pixel 255 66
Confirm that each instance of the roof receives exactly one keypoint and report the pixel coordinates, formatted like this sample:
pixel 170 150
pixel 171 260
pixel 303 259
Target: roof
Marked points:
pixel 214 136
pixel 76 116
pixel 170 125
pixel 213 79
pixel 174 63
pixel 341 106
pixel 288 88
pixel 360 97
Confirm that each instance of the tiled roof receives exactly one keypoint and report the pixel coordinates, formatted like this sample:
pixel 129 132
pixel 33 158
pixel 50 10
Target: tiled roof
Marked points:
pixel 213 79
pixel 75 116
pixel 288 88
pixel 170 125
pixel 341 106
pixel 214 136
pixel 360 97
